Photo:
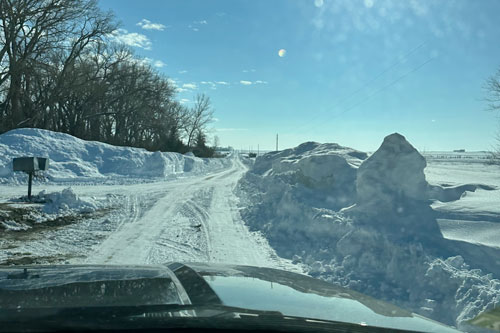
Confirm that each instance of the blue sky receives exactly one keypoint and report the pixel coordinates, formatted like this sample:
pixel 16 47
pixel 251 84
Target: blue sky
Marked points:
pixel 353 72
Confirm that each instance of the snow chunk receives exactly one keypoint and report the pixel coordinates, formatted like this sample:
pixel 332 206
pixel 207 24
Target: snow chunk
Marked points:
pixel 66 200
pixel 392 191
pixel 395 170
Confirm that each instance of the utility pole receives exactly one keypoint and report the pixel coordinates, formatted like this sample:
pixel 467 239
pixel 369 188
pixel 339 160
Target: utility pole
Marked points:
pixel 258 149
pixel 276 142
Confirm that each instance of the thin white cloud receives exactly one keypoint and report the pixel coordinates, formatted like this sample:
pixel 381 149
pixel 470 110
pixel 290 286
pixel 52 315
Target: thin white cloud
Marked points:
pixel 131 39
pixel 247 83
pixel 148 25
pixel 190 86
pixel 151 62
pixel 159 64
pixel 184 100
pixel 143 61
pixel 195 26
pixel 223 83
pixel 174 84
pixel 183 72
pixel 209 83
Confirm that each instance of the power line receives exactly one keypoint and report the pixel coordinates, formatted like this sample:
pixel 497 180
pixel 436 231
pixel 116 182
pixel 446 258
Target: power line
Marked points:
pixel 376 92
pixel 307 126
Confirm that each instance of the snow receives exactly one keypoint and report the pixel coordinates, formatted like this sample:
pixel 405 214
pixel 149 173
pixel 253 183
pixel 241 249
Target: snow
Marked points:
pixel 65 200
pixel 179 208
pixel 73 159
pixel 385 238
pixel 192 220
pixel 430 243
pixel 399 208
pixel 14 226
pixel 378 179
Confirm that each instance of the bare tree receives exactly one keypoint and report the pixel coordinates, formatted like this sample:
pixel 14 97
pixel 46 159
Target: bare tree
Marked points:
pixel 216 141
pixel 60 70
pixel 492 88
pixel 34 33
pixel 200 115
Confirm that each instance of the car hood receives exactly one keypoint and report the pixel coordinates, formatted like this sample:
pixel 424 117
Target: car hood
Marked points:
pixel 203 284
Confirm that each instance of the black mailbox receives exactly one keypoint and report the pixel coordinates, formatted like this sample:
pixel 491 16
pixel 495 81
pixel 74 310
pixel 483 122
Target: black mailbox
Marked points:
pixel 30 165
pixel 26 164
pixel 43 163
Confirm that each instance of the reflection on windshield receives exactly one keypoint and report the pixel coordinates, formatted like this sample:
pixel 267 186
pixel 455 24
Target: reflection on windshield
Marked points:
pixel 259 294
pixel 85 287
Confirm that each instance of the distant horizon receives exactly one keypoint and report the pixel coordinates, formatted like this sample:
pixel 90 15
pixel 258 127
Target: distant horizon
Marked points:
pixel 420 149
pixel 372 151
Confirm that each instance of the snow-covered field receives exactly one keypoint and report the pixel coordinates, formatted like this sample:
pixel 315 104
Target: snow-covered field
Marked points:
pixel 425 236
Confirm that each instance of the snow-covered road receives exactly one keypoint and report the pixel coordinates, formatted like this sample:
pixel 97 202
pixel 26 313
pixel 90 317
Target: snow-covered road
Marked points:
pixel 191 219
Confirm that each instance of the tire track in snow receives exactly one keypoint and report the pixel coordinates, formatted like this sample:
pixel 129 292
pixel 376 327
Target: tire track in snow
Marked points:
pixel 201 217
pixel 194 219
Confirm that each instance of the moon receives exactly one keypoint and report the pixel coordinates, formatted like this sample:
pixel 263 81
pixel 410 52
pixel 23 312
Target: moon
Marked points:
pixel 282 53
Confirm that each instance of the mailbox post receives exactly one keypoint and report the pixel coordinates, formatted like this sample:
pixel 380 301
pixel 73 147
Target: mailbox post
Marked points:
pixel 30 165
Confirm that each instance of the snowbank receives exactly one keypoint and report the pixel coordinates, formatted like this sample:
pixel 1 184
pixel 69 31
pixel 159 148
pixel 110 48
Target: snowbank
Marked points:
pixel 366 223
pixel 290 195
pixel 326 169
pixel 73 159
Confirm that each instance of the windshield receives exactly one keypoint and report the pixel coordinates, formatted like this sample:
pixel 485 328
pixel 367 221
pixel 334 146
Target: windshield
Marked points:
pixel 352 141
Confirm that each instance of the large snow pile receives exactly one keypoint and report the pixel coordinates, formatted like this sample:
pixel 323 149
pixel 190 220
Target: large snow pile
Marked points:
pixel 384 201
pixel 325 172
pixel 73 159
pixel 290 195
pixel 366 223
